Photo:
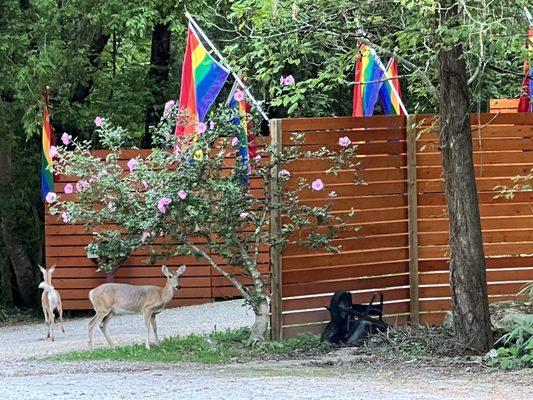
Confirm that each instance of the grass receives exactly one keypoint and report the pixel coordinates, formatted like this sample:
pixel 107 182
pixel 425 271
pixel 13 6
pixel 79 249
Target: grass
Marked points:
pixel 217 347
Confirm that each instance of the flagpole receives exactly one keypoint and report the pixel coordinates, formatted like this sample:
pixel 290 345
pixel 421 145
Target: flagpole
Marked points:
pixel 224 62
pixel 393 89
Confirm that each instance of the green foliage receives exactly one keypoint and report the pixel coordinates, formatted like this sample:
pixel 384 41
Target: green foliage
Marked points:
pixel 516 349
pixel 217 347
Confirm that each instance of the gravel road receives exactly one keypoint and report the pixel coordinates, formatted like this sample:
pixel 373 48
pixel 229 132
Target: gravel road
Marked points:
pixel 24 376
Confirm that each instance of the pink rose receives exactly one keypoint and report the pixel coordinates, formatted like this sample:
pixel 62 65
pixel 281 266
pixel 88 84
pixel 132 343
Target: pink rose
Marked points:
pixel 168 108
pixel 65 216
pixel 289 80
pixel 53 151
pixel 66 138
pixel 146 235
pixel 132 164
pixel 182 194
pixel 332 194
pixel 82 185
pixel 345 141
pixel 51 197
pixel 163 203
pixel 244 214
pixel 257 158
pixel 282 80
pixel 177 151
pixel 239 95
pixel 69 188
pixel 212 125
pixel 111 207
pixel 200 127
pixel 317 185
pixel 98 121
pixel 145 184
pixel 234 142
pixel 284 173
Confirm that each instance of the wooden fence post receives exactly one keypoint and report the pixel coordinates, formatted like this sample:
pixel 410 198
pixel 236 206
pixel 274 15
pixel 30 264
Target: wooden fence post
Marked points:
pixel 412 193
pixel 275 227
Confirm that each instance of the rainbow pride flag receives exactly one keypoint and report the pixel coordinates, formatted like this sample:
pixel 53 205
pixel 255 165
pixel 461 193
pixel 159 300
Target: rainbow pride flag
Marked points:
pixel 202 78
pixel 247 141
pixel 368 76
pixel 47 175
pixel 525 104
pixel 390 101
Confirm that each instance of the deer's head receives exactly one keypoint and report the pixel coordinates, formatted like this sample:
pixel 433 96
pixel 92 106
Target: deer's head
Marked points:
pixel 173 278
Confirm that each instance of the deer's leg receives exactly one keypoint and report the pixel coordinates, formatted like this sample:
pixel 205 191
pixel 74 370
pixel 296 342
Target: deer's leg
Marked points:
pixel 154 327
pixel 51 324
pixel 147 318
pixel 103 327
pixel 47 317
pixel 97 319
pixel 60 311
pixel 44 304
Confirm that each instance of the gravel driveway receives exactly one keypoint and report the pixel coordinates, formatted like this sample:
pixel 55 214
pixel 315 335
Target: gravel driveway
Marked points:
pixel 24 377
pixel 23 341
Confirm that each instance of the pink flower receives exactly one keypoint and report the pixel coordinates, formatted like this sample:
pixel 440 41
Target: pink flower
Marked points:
pixel 53 151
pixel 51 197
pixel 332 194
pixel 289 80
pixel 282 80
pixel 111 206
pixel 168 108
pixel 167 136
pixel 132 164
pixel 212 125
pixel 163 203
pixel 98 121
pixel 345 141
pixel 145 184
pixel 66 217
pixel 182 194
pixel 244 214
pixel 82 185
pixel 200 127
pixel 284 173
pixel 69 188
pixel 239 95
pixel 66 138
pixel 177 151
pixel 257 158
pixel 317 185
pixel 234 142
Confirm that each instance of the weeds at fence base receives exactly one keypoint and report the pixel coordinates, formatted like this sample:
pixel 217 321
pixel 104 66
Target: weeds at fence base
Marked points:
pixel 218 347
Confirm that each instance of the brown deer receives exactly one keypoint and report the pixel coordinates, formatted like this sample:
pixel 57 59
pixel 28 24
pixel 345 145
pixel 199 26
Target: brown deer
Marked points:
pixel 50 301
pixel 119 298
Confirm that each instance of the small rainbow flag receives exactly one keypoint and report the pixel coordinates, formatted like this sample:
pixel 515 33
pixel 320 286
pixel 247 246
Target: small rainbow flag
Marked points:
pixel 390 100
pixel 247 141
pixel 525 103
pixel 202 78
pixel 47 175
pixel 368 75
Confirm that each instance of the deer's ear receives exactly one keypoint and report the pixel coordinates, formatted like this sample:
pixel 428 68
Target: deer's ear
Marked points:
pixel 42 269
pixel 164 270
pixel 51 270
pixel 180 270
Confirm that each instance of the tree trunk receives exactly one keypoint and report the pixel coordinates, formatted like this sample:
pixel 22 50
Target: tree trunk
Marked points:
pixel 467 261
pixel 260 326
pixel 158 75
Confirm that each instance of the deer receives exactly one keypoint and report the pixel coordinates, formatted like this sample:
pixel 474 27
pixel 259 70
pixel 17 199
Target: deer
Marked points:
pixel 50 301
pixel 111 299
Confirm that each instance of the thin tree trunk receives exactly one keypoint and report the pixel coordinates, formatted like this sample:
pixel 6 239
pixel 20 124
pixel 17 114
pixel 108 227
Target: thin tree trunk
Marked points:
pixel 467 261
pixel 158 74
pixel 260 326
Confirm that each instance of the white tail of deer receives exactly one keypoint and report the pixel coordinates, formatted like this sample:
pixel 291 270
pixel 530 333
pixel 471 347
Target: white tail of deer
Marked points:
pixel 50 301
pixel 118 298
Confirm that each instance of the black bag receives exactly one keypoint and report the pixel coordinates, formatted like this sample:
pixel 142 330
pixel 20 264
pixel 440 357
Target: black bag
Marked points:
pixel 344 328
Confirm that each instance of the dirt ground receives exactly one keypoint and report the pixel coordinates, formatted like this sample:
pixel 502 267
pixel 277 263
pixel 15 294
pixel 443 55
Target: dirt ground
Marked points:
pixel 340 374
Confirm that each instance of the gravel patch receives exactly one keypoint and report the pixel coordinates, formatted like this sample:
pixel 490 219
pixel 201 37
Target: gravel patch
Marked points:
pixel 28 341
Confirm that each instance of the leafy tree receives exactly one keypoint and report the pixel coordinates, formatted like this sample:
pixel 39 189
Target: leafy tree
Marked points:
pixel 200 207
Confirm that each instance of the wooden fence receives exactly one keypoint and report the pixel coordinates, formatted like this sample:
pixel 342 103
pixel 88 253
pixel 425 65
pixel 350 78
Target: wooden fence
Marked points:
pixel 401 248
